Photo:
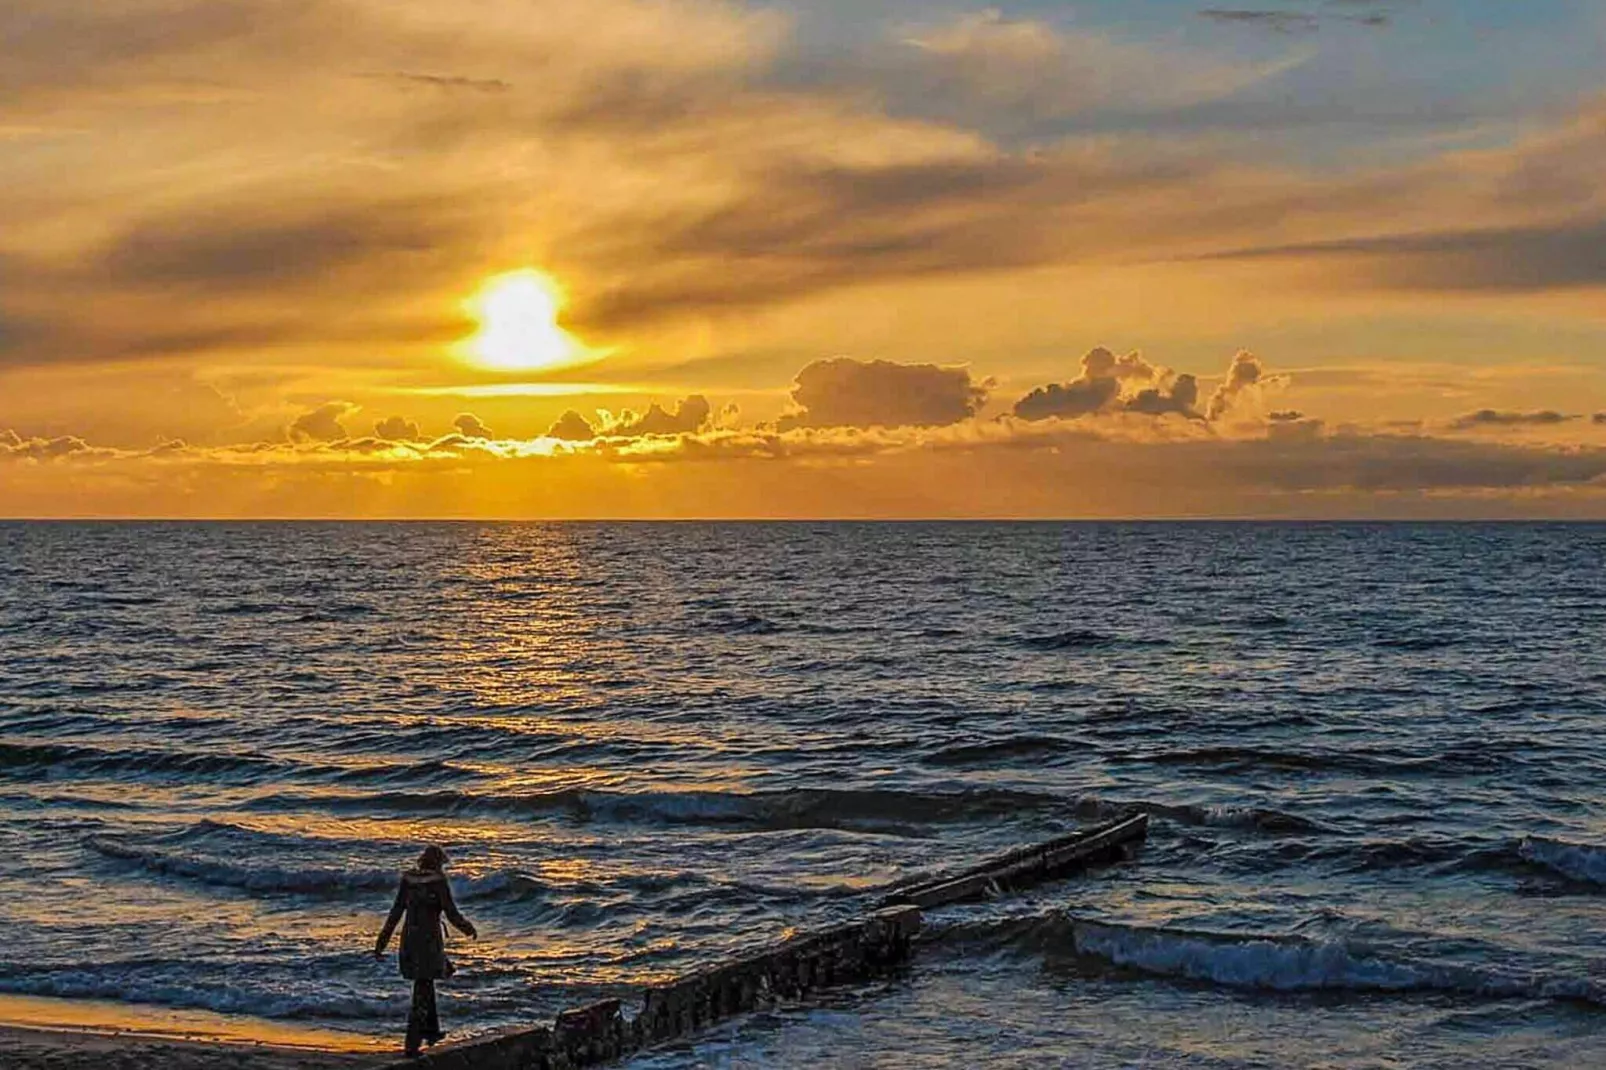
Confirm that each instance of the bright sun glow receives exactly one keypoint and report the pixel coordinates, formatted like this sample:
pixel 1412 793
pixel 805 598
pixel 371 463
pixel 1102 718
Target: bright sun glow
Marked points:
pixel 518 316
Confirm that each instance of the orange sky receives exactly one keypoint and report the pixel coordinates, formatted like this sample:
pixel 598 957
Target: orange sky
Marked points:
pixel 686 258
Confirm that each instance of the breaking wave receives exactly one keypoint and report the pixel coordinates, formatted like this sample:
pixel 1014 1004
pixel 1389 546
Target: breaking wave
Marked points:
pixel 1576 861
pixel 1267 962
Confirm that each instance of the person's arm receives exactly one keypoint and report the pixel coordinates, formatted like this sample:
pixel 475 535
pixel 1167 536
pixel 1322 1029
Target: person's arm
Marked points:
pixel 462 924
pixel 396 911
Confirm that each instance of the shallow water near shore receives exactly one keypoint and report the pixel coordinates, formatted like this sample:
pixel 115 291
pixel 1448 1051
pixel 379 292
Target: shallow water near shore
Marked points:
pixel 1373 756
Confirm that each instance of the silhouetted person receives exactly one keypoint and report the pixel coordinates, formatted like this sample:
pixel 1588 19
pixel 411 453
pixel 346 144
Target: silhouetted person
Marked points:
pixel 424 896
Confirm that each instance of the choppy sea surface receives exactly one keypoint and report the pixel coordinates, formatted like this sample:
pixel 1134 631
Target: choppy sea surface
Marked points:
pixel 1374 756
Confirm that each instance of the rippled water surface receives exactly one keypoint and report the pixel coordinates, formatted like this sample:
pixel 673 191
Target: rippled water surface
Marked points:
pixel 1374 756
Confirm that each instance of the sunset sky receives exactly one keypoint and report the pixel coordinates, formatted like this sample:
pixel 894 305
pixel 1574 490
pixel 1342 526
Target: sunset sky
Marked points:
pixel 820 258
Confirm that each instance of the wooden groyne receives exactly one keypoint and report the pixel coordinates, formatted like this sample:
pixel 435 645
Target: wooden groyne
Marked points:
pixel 601 1033
pixel 791 969
pixel 1026 866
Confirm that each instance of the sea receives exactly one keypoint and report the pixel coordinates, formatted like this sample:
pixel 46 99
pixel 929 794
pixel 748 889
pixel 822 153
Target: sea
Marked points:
pixel 1374 756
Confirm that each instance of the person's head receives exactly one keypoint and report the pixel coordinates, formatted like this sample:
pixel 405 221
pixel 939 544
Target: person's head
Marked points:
pixel 433 859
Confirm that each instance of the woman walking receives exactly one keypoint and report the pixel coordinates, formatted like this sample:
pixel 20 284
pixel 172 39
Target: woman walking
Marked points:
pixel 424 896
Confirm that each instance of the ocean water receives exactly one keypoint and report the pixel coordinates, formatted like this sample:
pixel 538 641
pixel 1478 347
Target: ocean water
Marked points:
pixel 1374 756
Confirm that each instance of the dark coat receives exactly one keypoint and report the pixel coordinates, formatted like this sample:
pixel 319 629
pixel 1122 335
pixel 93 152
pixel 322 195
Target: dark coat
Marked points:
pixel 423 897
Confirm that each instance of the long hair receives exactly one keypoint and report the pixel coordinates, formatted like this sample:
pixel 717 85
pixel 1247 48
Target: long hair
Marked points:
pixel 433 859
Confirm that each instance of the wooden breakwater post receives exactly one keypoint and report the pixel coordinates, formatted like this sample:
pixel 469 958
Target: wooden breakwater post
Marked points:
pixel 600 1033
pixel 1026 866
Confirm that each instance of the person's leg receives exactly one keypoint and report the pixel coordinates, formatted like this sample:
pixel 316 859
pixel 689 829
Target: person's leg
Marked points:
pixel 432 1019
pixel 422 990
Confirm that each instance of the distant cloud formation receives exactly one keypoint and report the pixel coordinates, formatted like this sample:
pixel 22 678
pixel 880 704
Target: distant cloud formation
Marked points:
pixel 691 414
pixel 1179 396
pixel 1371 13
pixel 321 424
pixel 1278 21
pixel 1115 466
pixel 13 446
pixel 1081 396
pixel 470 426
pixel 1498 418
pixel 1111 384
pixel 572 427
pixel 1244 374
pixel 1536 258
pixel 1021 76
pixel 396 429
pixel 843 392
pixel 445 81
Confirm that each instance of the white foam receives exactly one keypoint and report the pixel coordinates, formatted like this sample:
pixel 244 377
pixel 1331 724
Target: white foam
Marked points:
pixel 1250 962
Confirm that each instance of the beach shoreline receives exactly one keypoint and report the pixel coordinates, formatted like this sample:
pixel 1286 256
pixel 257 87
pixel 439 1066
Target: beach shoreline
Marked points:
pixel 39 1033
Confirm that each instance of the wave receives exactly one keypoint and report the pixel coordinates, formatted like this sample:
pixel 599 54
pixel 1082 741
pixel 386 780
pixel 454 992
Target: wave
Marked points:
pixel 997 750
pixel 1074 639
pixel 315 880
pixel 1372 855
pixel 223 997
pixel 1466 758
pixel 1266 962
pixel 246 876
pixel 740 623
pixel 1206 815
pixel 870 810
pixel 339 614
pixel 239 767
pixel 1440 854
pixel 1576 861
pixel 792 808
pixel 91 758
pixel 239 609
pixel 53 720
pixel 1415 643
pixel 214 866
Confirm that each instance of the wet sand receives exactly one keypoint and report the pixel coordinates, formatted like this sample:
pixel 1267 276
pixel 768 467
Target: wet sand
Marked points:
pixel 50 1034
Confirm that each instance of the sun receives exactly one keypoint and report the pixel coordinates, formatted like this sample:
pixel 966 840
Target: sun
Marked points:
pixel 518 316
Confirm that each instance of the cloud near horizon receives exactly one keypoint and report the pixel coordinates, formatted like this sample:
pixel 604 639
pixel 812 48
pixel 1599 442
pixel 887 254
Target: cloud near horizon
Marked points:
pixel 1496 418
pixel 1109 384
pixel 322 424
pixel 1038 468
pixel 691 415
pixel 396 429
pixel 843 392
